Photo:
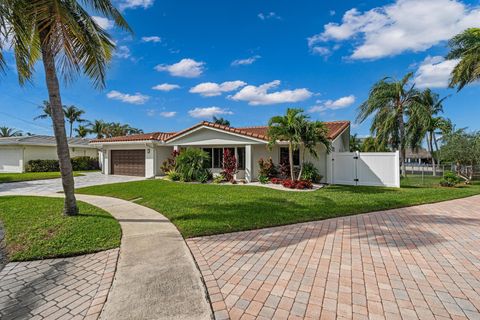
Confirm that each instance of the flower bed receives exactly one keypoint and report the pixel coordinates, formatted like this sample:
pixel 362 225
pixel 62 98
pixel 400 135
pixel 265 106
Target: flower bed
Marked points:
pixel 293 184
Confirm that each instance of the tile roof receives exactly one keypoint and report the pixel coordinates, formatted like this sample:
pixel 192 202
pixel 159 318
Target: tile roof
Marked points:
pixel 41 140
pixel 334 129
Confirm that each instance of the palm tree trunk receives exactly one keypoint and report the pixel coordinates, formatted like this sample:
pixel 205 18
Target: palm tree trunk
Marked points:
pixel 290 160
pixel 430 146
pixel 401 129
pixel 302 160
pixel 436 148
pixel 58 119
pixel 71 129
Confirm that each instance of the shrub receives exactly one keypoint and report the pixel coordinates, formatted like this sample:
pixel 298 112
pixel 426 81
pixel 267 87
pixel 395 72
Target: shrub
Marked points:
pixel 310 173
pixel 190 164
pixel 204 176
pixel 284 170
pixel 85 163
pixel 297 184
pixel 174 175
pixel 263 179
pixel 229 165
pixel 276 181
pixel 267 168
pixel 169 164
pixel 42 166
pixel 450 179
pixel 218 179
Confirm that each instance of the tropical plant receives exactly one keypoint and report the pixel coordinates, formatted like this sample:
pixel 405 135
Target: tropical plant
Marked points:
pixel 310 173
pixel 73 114
pixel 68 41
pixel 263 179
pixel 463 149
pixel 221 121
pixel 267 168
pixel 370 144
pixel 173 175
pixel 312 133
pixel 355 143
pixel 190 163
pixel 115 129
pixel 450 179
pixel 229 165
pixel 465 47
pixel 46 112
pixel 170 163
pixel 287 128
pixel 6 132
pixel 98 127
pixel 424 122
pixel 389 101
pixel 82 131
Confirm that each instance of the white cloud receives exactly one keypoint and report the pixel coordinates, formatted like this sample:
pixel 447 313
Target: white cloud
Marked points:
pixel 247 61
pixel 122 52
pixel 212 89
pixel 168 114
pixel 133 4
pixel 260 95
pixel 406 25
pixel 104 23
pixel 187 68
pixel 166 87
pixel 151 39
pixel 434 72
pixel 340 103
pixel 268 15
pixel 136 98
pixel 208 112
pixel 321 51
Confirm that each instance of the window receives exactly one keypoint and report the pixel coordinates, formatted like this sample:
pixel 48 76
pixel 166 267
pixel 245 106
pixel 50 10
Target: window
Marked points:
pixel 284 156
pixel 241 158
pixel 217 158
pixel 208 164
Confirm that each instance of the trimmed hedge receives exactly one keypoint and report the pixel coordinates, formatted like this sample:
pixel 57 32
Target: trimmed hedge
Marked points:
pixel 78 164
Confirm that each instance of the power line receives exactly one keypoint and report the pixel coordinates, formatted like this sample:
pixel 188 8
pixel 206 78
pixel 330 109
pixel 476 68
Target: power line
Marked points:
pixel 26 121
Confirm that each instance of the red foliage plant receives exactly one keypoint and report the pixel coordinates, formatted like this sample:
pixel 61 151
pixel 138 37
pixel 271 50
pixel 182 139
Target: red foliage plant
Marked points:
pixel 297 184
pixel 169 164
pixel 229 165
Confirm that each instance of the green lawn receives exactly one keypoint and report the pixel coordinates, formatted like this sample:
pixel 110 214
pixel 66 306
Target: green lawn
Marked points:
pixel 35 228
pixel 199 209
pixel 27 176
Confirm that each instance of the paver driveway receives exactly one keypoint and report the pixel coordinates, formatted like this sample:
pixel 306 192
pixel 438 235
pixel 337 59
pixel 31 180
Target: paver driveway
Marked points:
pixel 419 262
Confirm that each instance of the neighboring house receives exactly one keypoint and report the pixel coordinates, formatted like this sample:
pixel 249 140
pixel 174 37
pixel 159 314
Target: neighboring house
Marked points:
pixel 143 154
pixel 15 152
pixel 417 156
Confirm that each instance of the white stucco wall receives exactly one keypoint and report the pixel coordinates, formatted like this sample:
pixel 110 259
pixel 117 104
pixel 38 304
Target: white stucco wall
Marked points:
pixel 11 159
pixel 163 153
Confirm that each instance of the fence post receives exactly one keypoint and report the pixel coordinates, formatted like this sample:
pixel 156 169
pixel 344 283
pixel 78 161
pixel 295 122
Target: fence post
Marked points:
pixel 423 179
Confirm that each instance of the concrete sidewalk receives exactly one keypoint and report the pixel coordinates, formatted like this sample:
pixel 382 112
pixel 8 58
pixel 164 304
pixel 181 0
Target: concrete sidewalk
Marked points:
pixel 156 275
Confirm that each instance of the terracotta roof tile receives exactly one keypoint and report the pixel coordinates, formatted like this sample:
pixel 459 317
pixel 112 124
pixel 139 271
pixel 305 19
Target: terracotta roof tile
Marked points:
pixel 159 136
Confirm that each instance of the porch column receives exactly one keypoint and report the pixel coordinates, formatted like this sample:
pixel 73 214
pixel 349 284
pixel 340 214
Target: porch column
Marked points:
pixel 176 148
pixel 248 163
pixel 106 162
pixel 150 162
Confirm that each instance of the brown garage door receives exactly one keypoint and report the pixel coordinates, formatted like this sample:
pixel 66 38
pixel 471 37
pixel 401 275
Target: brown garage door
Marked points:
pixel 128 162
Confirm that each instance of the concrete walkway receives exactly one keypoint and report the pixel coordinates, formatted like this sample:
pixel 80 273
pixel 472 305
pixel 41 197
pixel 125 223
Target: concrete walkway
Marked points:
pixel 420 262
pixel 156 275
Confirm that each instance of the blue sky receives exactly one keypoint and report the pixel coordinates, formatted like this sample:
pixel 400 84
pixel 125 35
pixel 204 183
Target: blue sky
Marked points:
pixel 249 60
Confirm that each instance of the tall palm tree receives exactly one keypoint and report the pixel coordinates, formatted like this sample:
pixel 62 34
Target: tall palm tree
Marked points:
pixel 425 122
pixel 221 121
pixel 466 47
pixel 388 102
pixel 355 143
pixel 46 113
pixel 82 131
pixel 68 41
pixel 6 132
pixel 287 128
pixel 98 127
pixel 312 133
pixel 73 114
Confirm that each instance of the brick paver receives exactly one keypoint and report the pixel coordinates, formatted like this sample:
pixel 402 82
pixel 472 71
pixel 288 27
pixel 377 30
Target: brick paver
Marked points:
pixel 413 263
pixel 69 288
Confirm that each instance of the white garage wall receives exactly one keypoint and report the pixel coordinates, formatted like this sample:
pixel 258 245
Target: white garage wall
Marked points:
pixel 11 160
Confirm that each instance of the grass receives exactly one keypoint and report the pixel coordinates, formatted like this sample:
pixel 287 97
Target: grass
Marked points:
pixel 35 228
pixel 28 176
pixel 205 209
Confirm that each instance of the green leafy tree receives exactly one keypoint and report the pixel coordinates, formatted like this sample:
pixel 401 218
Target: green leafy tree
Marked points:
pixel 98 127
pixel 463 149
pixel 68 41
pixel 73 114
pixel 221 121
pixel 287 128
pixel 6 132
pixel 312 134
pixel 389 101
pixel 465 47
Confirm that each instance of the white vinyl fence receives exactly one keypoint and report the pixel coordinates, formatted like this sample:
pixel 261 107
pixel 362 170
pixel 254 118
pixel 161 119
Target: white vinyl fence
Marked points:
pixel 365 168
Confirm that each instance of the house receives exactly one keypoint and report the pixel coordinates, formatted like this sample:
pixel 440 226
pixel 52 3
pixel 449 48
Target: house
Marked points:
pixel 15 152
pixel 143 154
pixel 417 156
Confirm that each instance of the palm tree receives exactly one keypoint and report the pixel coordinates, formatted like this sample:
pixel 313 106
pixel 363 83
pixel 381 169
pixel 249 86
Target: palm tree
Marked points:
pixel 221 121
pixel 287 128
pixel 45 111
pixel 82 131
pixel 98 127
pixel 312 133
pixel 388 102
pixel 465 47
pixel 424 122
pixel 73 114
pixel 355 143
pixel 6 132
pixel 68 41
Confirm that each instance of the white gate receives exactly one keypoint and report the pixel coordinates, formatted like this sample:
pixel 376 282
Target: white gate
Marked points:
pixel 366 168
